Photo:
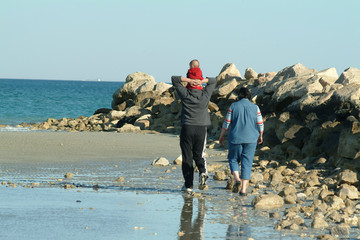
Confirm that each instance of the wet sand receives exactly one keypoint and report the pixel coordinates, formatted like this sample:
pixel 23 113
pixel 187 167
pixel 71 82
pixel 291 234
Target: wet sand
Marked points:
pixel 146 204
pixel 35 147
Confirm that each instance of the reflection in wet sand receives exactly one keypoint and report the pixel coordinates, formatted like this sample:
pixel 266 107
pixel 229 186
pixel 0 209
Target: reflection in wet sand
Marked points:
pixel 238 230
pixel 190 230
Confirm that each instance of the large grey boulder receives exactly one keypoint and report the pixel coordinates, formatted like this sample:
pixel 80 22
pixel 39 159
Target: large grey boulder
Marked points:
pixel 227 73
pixel 138 87
pixel 250 73
pixel 226 88
pixel 139 82
pixel 349 76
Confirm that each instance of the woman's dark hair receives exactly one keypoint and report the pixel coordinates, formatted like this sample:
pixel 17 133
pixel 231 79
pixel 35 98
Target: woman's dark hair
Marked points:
pixel 244 93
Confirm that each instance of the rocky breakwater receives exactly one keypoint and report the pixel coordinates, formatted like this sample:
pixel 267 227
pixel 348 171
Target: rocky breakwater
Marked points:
pixel 308 114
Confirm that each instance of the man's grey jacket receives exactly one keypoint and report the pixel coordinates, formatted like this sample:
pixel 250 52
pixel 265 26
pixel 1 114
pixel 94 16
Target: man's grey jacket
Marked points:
pixel 194 102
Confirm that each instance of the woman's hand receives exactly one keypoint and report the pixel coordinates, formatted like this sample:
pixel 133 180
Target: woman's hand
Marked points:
pixel 221 140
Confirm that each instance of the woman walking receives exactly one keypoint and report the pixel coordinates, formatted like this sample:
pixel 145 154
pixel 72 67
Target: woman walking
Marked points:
pixel 245 120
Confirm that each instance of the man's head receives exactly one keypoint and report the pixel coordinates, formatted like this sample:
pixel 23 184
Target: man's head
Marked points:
pixel 244 93
pixel 194 63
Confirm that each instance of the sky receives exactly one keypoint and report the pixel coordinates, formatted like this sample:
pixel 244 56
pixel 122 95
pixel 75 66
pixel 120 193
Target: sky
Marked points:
pixel 109 39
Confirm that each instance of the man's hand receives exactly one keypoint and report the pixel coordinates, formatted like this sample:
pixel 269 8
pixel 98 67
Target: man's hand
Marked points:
pixel 260 139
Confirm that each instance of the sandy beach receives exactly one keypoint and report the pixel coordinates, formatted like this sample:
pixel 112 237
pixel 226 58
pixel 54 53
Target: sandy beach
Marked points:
pixel 36 147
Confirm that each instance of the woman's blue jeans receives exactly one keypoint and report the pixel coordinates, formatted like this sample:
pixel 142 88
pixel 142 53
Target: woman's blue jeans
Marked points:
pixel 242 153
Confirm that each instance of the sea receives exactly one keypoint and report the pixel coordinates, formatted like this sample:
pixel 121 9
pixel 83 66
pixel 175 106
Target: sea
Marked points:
pixel 34 101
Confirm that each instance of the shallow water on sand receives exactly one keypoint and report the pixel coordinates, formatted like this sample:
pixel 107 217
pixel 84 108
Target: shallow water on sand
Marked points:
pixel 54 213
pixel 146 205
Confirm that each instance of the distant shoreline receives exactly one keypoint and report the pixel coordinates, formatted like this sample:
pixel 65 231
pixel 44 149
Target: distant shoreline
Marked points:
pixel 33 79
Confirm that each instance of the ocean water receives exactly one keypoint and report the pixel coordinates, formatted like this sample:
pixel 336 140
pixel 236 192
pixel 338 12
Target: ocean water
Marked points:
pixel 33 101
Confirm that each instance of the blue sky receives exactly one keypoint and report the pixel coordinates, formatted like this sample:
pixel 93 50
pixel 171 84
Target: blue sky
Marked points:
pixel 108 39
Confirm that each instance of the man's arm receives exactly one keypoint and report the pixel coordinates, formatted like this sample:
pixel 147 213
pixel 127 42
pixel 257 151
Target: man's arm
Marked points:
pixel 180 89
pixel 210 87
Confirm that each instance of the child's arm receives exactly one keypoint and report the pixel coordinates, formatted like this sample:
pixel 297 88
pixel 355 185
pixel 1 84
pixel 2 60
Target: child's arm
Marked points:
pixel 193 82
pixel 205 80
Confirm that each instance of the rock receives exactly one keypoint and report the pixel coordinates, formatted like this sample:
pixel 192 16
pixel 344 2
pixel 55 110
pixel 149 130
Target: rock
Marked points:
pixel 139 76
pixel 72 123
pixel 129 128
pixel 178 160
pixel 263 163
pixel 327 76
pixel 103 110
pixel 347 94
pixel 250 73
pixel 349 76
pixel 288 72
pixel 116 115
pixel 324 193
pixel 334 202
pixel 80 126
pixel 341 229
pixel 162 87
pixel 220 176
pixel 276 178
pixel 290 199
pixel 288 190
pixel 213 167
pixel 334 216
pixel 226 88
pixel 119 179
pixel 213 107
pixel 319 221
pixel 160 161
pixel 256 177
pixel 142 124
pixel 352 221
pixel 292 222
pixel 267 201
pixel 326 237
pixel 228 72
pixel 69 175
pixel 274 215
pixel 136 111
pixel 136 83
pixel 294 163
pixel 348 176
pixel 349 146
pixel 230 183
pixel 348 191
pixel 288 172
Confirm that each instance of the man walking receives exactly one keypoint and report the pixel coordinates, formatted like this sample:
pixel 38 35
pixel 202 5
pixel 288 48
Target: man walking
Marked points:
pixel 194 121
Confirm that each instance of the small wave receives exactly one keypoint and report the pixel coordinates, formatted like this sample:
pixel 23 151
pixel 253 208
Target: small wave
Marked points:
pixel 14 129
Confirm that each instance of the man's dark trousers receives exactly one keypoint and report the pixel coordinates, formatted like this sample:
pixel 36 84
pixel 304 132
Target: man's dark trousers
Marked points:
pixel 192 143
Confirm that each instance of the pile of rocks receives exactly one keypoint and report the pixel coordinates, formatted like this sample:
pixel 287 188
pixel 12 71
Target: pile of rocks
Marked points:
pixel 308 114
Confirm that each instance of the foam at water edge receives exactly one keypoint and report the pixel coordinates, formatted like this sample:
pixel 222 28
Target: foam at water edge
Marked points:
pixel 14 129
